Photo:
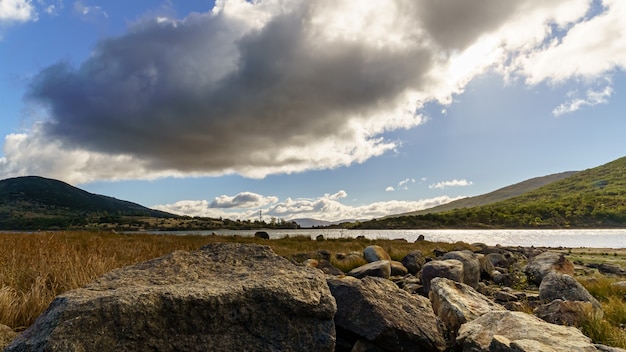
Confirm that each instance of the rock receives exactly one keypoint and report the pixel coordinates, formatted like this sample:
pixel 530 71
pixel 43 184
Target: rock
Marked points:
pixel 420 238
pixel 506 280
pixel 378 311
pixel 486 268
pixel 560 286
pixel 501 296
pixel 471 266
pixel 397 269
pixel 438 252
pixel 518 331
pixel 319 238
pixel 413 261
pixel 497 259
pixel 262 234
pixel 324 265
pixel 224 297
pixel 570 313
pixel 375 253
pixel 456 303
pixel 365 346
pixel 451 269
pixel 608 268
pixel 541 265
pixel 603 348
pixel 6 336
pixel 381 268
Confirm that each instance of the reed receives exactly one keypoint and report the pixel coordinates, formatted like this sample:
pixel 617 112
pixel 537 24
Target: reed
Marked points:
pixel 608 329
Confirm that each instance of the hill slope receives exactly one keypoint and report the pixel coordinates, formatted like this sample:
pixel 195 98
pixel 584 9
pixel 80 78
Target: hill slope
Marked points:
pixel 591 198
pixel 495 196
pixel 32 202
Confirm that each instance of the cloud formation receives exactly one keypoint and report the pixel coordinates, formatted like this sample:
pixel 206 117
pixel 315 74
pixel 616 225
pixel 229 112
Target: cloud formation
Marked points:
pixel 453 183
pixel 277 86
pixel 242 200
pixel 592 97
pixel 12 11
pixel 326 208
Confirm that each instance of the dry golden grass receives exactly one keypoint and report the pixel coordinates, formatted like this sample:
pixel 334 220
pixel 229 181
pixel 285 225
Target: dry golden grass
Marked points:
pixel 35 268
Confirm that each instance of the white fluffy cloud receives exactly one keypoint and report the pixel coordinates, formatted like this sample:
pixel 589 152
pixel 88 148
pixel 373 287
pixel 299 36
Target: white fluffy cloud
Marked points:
pixel 453 183
pixel 327 208
pixel 591 98
pixel 242 200
pixel 284 86
pixel 17 11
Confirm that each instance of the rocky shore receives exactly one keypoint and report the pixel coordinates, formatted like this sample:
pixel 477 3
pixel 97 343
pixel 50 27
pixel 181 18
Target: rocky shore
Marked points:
pixel 236 297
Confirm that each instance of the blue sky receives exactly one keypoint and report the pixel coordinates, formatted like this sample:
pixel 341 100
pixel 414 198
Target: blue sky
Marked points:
pixel 308 108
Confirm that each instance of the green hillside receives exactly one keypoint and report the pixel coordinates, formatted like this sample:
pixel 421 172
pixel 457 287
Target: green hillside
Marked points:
pixel 593 198
pixel 495 196
pixel 32 202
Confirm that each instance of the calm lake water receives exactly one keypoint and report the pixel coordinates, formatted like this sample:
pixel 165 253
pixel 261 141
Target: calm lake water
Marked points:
pixel 610 238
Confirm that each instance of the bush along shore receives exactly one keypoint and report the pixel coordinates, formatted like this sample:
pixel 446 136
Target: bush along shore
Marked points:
pixel 237 294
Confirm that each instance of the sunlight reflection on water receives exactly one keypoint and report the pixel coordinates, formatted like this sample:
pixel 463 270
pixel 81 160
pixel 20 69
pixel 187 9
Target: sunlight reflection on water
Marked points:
pixel 594 238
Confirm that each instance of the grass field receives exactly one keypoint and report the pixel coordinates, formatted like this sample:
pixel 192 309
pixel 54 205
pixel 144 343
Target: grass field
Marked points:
pixel 36 267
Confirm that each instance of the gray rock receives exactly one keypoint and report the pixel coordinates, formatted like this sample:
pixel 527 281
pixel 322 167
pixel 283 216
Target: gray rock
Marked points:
pixel 518 331
pixel 381 268
pixel 397 269
pixel 456 303
pixel 262 234
pixel 414 261
pixel 486 268
pixel 451 269
pixel 541 265
pixel 471 266
pixel 570 313
pixel 609 268
pixel 497 259
pixel 377 310
pixel 6 336
pixel 375 253
pixel 224 297
pixel 564 287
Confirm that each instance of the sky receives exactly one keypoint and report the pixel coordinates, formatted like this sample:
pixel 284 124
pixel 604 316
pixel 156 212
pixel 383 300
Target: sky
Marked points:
pixel 324 109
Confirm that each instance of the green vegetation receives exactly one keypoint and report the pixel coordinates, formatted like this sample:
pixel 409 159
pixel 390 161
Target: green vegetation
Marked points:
pixel 594 198
pixel 607 329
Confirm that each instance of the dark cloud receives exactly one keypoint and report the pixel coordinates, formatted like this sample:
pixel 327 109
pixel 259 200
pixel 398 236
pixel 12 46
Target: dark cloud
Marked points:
pixel 204 95
pixel 264 87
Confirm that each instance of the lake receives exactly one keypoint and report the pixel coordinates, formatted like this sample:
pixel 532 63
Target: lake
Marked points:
pixel 594 238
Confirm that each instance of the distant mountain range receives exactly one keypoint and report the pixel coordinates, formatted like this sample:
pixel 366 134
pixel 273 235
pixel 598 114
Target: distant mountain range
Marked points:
pixel 591 198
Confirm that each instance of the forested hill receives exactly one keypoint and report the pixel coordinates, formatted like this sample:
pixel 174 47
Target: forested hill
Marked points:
pixel 593 198
pixel 33 202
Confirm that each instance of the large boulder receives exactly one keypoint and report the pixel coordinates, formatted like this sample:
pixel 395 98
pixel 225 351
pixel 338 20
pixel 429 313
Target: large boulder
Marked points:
pixel 224 297
pixel 541 265
pixel 570 313
pixel 456 303
pixel 471 266
pixel 518 331
pixel 375 253
pixel 377 310
pixel 381 268
pixel 559 286
pixel 414 261
pixel 451 269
